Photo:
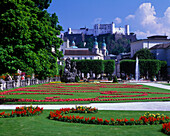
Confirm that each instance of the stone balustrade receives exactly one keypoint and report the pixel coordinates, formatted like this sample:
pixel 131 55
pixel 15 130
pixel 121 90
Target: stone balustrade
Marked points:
pixel 4 85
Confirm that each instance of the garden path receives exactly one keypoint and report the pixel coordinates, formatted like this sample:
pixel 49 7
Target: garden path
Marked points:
pixel 133 106
pixel 157 85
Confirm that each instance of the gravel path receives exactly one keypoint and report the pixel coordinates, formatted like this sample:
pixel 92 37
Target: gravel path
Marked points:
pixel 133 106
pixel 157 85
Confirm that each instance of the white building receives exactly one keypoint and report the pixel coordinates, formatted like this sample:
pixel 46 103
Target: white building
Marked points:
pixel 148 43
pixel 101 29
pixel 73 52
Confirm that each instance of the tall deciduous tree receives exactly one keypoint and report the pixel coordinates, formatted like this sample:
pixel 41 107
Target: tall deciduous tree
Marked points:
pixel 42 4
pixel 27 35
pixel 143 54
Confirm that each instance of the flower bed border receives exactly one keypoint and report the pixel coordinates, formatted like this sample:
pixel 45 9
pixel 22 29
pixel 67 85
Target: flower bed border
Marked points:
pixel 152 119
pixel 22 112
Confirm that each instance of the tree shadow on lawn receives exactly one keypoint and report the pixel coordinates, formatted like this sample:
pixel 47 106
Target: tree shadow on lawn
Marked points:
pixel 4 100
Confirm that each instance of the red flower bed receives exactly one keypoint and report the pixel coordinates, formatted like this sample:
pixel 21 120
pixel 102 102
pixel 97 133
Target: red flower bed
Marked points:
pixel 22 112
pixel 37 93
pixel 146 119
pixel 166 128
pixel 57 89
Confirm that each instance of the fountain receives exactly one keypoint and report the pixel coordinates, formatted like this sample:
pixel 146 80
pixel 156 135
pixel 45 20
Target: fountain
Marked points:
pixel 137 69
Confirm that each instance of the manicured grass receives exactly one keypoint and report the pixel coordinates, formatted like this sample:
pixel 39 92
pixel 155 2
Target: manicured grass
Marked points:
pixel 42 126
pixel 88 87
pixel 166 84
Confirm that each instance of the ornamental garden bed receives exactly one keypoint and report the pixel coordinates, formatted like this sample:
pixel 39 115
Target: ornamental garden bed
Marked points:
pixel 78 93
pixel 41 125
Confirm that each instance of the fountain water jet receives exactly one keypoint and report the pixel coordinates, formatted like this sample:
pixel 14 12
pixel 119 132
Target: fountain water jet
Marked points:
pixel 137 69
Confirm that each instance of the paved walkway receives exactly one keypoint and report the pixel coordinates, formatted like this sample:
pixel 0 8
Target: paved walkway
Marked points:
pixel 157 85
pixel 134 106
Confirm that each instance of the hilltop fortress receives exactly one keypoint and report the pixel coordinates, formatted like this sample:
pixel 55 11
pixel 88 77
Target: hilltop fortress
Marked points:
pixel 100 29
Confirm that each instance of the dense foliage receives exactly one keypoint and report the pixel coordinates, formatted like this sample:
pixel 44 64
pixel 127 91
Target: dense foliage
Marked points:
pixel 95 66
pixel 115 45
pixel 149 67
pixel 109 66
pixel 163 70
pixel 27 35
pixel 143 54
pixel 42 4
pixel 87 66
pixel 127 66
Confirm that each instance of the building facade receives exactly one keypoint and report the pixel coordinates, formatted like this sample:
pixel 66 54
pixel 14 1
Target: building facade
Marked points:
pixel 73 52
pixel 162 52
pixel 148 43
pixel 100 29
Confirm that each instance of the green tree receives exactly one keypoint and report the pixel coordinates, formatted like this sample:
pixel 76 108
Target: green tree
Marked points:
pixel 147 67
pixel 143 54
pixel 89 43
pixel 42 4
pixel 27 35
pixel 109 66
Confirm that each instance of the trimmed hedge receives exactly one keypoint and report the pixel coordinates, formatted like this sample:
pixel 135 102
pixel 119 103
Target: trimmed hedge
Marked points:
pixel 127 66
pixel 150 66
pixel 96 66
pixel 109 66
pixel 163 70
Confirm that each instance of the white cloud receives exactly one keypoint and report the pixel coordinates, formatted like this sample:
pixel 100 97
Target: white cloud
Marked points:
pixel 130 17
pixel 117 20
pixel 146 14
pixel 147 23
pixel 166 18
pixel 97 20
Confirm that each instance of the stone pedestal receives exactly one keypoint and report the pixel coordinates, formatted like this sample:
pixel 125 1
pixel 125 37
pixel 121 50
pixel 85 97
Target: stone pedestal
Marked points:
pixel 17 83
pixel 28 81
pixel 2 84
pixel 13 84
pixel 36 81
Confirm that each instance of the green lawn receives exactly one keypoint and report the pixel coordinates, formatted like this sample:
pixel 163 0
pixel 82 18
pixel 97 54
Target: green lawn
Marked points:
pixel 166 84
pixel 42 126
pixel 53 88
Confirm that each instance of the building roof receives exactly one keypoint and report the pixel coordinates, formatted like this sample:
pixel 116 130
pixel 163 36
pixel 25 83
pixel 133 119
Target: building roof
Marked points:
pixel 154 38
pixel 161 46
pixel 80 53
pixel 160 37
pixel 103 44
pixel 73 47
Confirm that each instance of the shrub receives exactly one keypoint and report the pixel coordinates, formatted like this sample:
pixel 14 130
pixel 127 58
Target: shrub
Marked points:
pixel 115 79
pixel 77 79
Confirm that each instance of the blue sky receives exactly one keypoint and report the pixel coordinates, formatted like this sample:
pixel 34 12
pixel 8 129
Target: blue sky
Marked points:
pixel 145 17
